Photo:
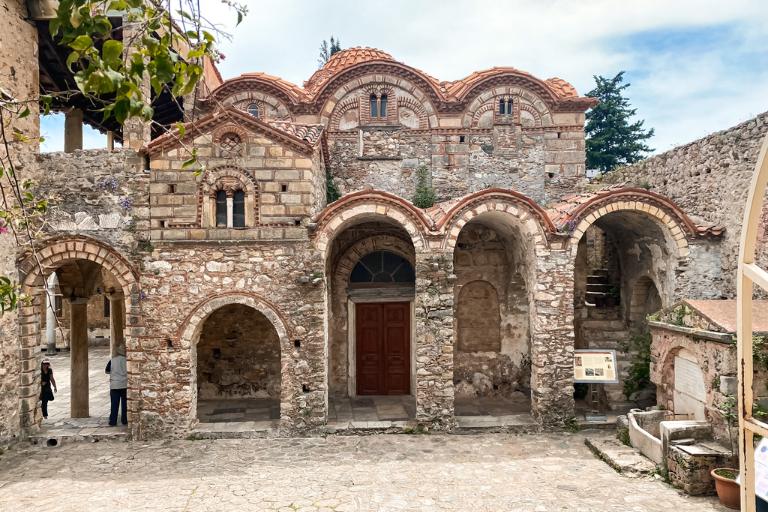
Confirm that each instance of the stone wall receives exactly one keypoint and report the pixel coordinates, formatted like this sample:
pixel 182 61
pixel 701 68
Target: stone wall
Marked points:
pixel 708 179
pixel 181 280
pixel 19 79
pixel 539 164
pixel 238 355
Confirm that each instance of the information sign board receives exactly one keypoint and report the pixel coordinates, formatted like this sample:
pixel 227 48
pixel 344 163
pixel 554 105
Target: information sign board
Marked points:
pixel 595 366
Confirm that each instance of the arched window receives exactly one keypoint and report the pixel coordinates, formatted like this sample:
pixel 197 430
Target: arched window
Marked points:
pixel 374 106
pixel 383 107
pixel 382 267
pixel 238 209
pixel 501 106
pixel 253 109
pixel 509 107
pixel 221 209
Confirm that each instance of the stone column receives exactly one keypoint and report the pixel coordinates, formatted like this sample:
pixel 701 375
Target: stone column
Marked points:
pixel 230 211
pixel 50 314
pixel 111 140
pixel 552 339
pixel 434 338
pixel 73 130
pixel 116 323
pixel 78 352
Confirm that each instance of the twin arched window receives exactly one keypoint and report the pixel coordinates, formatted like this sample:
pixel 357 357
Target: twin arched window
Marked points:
pixel 230 209
pixel 378 106
pixel 505 106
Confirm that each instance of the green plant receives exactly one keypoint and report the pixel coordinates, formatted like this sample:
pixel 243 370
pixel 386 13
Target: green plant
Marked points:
pixel 679 315
pixel 729 412
pixel 331 190
pixel 572 425
pixel 425 195
pixel 639 376
pixel 760 352
pixel 730 474
pixel 623 436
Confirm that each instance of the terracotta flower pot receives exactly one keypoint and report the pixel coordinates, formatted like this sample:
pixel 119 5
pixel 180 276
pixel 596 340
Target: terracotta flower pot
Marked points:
pixel 727 488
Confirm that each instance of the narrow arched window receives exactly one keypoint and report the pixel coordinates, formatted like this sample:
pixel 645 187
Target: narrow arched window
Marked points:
pixel 501 106
pixel 383 109
pixel 509 107
pixel 221 209
pixel 238 209
pixel 374 106
pixel 253 109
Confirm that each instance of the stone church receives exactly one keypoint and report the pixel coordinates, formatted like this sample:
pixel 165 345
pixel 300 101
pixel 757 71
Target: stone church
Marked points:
pixel 237 282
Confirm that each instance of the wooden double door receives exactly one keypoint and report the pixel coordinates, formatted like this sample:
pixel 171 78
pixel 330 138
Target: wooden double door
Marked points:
pixel 383 348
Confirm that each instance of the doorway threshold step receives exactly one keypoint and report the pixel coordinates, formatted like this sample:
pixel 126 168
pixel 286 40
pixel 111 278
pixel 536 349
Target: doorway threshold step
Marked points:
pixel 510 420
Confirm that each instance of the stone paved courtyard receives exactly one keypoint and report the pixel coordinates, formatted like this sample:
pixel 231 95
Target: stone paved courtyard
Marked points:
pixel 478 473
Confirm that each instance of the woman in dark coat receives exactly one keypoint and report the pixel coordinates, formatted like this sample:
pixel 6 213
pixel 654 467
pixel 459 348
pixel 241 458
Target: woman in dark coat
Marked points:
pixel 46 381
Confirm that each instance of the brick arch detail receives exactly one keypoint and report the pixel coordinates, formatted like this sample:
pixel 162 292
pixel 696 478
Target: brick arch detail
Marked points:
pixel 365 82
pixel 52 253
pixel 370 204
pixel 666 214
pixel 520 95
pixel 350 103
pixel 521 210
pixel 365 246
pixel 190 327
pixel 227 178
pixel 418 108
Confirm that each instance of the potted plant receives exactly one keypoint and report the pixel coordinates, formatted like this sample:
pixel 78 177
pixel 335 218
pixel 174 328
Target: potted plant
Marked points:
pixel 725 478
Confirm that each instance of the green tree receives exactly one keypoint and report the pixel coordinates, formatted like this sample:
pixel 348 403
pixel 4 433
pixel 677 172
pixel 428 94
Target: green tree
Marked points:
pixel 326 50
pixel 167 48
pixel 612 138
pixel 425 194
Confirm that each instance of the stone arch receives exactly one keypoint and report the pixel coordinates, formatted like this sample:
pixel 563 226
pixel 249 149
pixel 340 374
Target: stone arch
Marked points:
pixel 370 205
pixel 520 95
pixel 663 211
pixel 33 270
pixel 487 107
pixel 189 332
pixel 347 105
pixel 361 248
pixel 271 92
pixel 344 85
pixel 417 108
pixel 526 107
pixel 532 220
pixel 193 322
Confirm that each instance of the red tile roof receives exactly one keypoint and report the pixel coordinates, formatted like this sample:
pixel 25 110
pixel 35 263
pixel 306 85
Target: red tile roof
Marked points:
pixel 342 60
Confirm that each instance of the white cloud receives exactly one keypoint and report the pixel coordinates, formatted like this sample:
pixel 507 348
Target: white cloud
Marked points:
pixel 675 91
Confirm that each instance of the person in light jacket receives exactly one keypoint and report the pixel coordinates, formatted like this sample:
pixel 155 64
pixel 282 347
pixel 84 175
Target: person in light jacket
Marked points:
pixel 118 387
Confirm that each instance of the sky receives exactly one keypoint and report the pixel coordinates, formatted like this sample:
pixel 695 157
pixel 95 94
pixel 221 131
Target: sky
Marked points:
pixel 695 67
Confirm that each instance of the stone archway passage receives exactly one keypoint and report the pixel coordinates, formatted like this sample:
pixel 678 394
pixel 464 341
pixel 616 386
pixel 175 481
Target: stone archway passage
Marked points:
pixel 238 366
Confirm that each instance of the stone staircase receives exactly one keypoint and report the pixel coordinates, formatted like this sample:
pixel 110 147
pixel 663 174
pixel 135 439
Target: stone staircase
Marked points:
pixel 598 294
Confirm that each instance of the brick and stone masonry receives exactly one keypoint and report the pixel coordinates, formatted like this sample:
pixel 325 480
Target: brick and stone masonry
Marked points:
pixel 200 256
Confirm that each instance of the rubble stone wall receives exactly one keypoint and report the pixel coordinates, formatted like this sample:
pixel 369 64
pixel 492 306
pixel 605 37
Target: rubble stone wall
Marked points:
pixel 179 278
pixel 708 179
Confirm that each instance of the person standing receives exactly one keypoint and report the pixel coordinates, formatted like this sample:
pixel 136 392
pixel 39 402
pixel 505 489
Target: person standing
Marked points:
pixel 46 381
pixel 118 387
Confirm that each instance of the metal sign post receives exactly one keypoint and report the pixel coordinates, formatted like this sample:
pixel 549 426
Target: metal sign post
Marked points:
pixel 595 367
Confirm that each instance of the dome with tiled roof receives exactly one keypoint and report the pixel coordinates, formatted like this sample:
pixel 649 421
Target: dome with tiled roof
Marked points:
pixel 342 60
pixel 562 88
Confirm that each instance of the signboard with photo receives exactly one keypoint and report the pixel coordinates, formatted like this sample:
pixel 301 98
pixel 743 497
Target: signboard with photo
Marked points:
pixel 595 366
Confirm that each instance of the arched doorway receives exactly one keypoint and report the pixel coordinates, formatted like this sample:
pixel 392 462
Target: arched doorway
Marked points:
pixel 492 365
pixel 371 292
pixel 237 367
pixel 619 259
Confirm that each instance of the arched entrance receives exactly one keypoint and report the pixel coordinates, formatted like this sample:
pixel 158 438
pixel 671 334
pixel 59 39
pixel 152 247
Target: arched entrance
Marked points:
pixel 620 257
pixel 237 361
pixel 371 293
pixel 85 327
pixel 492 364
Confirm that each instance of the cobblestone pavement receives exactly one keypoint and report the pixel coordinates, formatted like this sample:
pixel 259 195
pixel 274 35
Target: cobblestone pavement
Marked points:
pixel 475 473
